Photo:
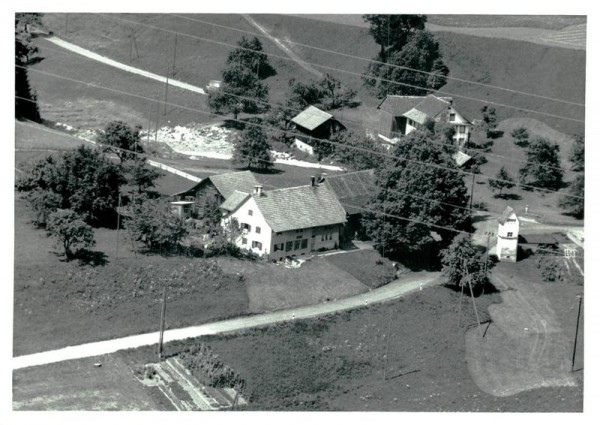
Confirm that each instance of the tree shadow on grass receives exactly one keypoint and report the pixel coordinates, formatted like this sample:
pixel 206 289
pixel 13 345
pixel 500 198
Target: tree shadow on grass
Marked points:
pixel 509 196
pixel 87 257
pixel 478 290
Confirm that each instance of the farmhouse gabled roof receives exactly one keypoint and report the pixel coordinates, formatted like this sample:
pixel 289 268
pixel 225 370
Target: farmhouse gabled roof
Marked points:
pixel 300 207
pixel 398 105
pixel 508 212
pixel 416 115
pixel 432 105
pixel 226 184
pixel 461 158
pixel 353 190
pixel 234 200
pixel 311 118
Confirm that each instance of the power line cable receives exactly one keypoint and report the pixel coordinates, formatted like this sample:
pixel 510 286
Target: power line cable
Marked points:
pixel 400 158
pixel 489 102
pixel 337 52
pixel 362 126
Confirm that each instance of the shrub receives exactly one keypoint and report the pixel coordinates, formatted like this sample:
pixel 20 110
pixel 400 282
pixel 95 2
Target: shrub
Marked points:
pixel 520 136
pixel 71 231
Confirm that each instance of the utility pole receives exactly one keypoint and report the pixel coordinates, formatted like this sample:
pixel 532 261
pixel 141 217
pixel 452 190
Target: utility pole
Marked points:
pixel 576 332
pixel 383 239
pixel 162 322
pixel 387 348
pixel 166 90
pixel 137 53
pixel 462 290
pixel 118 224
pixel 174 54
pixel 157 113
pixel 468 279
pixel 472 188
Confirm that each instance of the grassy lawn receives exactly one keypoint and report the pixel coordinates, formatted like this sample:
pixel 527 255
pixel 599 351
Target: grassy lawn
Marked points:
pixel 59 303
pixel 78 385
pixel 365 265
pixel 337 363
pixel 274 287
pixel 542 205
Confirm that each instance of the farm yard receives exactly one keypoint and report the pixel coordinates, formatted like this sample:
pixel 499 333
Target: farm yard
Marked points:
pixel 422 351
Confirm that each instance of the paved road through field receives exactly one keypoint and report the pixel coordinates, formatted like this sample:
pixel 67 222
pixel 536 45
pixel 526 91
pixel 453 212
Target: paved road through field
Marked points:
pixel 388 292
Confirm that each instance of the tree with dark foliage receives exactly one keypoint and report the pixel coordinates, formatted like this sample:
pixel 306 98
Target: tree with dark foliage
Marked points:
pixel 412 189
pixel 71 231
pixel 543 165
pixel 463 264
pixel 391 32
pixel 575 203
pixel 252 149
pixel 502 181
pixel 122 140
pixel 26 107
pixel 577 154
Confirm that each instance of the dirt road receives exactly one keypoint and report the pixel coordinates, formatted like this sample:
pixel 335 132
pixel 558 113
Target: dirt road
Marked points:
pixel 395 289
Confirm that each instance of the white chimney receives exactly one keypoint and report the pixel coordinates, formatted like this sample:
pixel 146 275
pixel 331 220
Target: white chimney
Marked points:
pixel 258 190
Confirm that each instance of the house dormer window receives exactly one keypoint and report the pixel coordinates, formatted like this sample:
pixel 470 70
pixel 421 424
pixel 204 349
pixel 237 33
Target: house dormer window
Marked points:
pixel 451 117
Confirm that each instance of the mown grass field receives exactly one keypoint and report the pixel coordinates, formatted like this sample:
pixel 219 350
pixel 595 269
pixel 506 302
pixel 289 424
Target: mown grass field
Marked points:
pixel 337 363
pixel 512 157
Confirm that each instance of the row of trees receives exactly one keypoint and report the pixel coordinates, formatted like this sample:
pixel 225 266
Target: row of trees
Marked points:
pixel 26 106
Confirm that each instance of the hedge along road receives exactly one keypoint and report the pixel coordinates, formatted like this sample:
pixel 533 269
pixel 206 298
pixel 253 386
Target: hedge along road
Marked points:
pixel 391 291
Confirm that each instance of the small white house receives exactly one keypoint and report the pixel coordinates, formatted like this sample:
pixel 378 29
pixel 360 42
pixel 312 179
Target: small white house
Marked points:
pixel 508 236
pixel 287 222
pixel 404 114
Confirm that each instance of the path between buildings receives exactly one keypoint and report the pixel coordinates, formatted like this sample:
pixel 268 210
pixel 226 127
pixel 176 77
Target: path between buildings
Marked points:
pixel 393 290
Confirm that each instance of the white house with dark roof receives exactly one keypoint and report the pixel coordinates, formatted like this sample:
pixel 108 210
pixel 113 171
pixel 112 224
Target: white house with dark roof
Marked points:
pixel 313 123
pixel 399 115
pixel 286 222
pixel 508 235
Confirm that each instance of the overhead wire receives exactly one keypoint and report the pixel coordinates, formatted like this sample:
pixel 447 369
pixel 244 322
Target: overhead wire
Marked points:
pixel 337 52
pixel 467 150
pixel 489 102
pixel 296 134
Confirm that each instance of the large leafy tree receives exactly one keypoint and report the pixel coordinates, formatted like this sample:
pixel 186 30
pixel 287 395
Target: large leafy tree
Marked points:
pixel 252 148
pixel 250 55
pixel 326 93
pixel 358 152
pixel 575 203
pixel 84 179
pixel 122 140
pixel 400 76
pixel 543 165
pixel 463 265
pixel 154 224
pixel 242 89
pixel 392 31
pixel 26 106
pixel 418 191
pixel 69 229
pixel 577 154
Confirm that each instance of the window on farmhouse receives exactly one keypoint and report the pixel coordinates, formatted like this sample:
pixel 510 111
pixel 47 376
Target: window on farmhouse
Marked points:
pixel 278 247
pixel 461 129
pixel 296 245
pixel 250 212
pixel 289 245
pixel 256 245
pixel 246 226
pixel 257 229
pixel 304 243
pixel 509 234
pixel 452 117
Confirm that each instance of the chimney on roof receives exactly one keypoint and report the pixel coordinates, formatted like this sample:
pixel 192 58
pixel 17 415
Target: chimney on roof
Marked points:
pixel 312 181
pixel 258 189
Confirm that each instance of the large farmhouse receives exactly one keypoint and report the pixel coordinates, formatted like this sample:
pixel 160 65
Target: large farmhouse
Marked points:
pixel 286 222
pixel 399 115
pixel 215 188
pixel 312 123
pixel 508 235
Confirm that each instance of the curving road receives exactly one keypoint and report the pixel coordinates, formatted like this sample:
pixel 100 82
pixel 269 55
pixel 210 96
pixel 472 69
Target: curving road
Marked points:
pixel 391 291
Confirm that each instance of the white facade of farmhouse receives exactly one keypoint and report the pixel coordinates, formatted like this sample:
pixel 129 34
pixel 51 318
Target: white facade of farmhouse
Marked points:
pixel 508 236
